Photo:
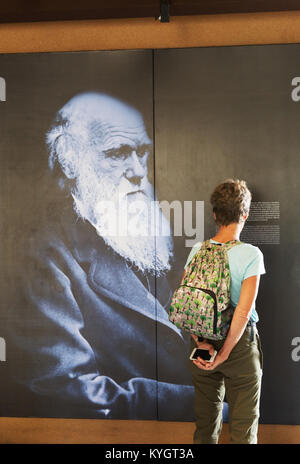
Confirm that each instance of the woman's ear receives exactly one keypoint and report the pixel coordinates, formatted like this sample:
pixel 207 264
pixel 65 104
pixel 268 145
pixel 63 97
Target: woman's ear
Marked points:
pixel 215 217
pixel 244 218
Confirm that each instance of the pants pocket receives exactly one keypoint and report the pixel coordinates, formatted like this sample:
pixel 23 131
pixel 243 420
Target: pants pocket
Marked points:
pixel 244 342
pixel 260 349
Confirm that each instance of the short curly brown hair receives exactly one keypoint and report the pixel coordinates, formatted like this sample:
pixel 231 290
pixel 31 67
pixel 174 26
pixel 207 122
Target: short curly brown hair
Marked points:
pixel 230 201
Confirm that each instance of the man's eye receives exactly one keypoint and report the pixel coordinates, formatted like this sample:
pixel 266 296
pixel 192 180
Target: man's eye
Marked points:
pixel 142 151
pixel 116 154
pixel 124 152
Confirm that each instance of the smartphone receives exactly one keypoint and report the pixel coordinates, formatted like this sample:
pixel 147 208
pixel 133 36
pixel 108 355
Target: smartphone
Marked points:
pixel 204 354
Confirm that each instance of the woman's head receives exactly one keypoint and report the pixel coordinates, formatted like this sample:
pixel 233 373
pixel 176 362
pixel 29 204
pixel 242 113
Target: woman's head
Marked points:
pixel 231 202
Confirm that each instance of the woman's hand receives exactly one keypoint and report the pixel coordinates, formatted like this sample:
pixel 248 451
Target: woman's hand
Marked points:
pixel 199 362
pixel 219 359
pixel 204 345
pixel 208 366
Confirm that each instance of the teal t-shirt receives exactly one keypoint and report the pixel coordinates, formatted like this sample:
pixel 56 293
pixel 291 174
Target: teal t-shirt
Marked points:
pixel 245 261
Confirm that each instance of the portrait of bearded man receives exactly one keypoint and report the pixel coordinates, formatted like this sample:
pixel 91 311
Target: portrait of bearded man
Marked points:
pixel 92 338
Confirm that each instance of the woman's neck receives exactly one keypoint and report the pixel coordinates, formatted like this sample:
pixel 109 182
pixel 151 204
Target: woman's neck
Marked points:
pixel 228 233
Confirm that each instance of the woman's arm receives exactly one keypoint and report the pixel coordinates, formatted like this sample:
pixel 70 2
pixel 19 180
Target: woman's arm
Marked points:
pixel 241 313
pixel 239 321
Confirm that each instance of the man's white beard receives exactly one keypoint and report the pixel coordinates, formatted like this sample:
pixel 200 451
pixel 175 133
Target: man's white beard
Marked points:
pixel 105 205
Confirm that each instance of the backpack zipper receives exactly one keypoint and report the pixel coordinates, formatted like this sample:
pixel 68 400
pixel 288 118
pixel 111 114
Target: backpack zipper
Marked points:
pixel 211 293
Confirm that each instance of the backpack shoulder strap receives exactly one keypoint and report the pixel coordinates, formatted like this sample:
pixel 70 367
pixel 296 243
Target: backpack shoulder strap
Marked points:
pixel 231 244
pixel 206 244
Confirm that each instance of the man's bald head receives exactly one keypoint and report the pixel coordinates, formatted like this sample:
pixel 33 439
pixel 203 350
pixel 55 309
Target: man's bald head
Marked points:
pixel 93 105
pixel 92 120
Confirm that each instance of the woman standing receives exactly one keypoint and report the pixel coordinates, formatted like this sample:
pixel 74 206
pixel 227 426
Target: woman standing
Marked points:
pixel 237 368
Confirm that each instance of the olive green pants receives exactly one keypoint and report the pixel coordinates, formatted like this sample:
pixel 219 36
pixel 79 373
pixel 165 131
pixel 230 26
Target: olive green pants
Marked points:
pixel 240 378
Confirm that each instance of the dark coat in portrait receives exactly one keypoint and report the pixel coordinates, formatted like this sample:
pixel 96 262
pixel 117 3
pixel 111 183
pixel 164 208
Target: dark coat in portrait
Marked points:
pixel 89 337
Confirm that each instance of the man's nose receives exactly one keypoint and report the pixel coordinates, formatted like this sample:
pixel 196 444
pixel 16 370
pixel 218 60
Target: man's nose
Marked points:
pixel 135 170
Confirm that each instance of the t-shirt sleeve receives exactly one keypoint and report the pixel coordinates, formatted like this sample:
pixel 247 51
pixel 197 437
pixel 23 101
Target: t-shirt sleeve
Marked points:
pixel 192 253
pixel 256 265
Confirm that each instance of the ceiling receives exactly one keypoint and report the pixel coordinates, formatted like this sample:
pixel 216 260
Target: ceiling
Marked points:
pixel 55 10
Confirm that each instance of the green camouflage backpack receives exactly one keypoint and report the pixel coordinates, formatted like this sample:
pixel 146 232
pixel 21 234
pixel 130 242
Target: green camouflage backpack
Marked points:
pixel 201 305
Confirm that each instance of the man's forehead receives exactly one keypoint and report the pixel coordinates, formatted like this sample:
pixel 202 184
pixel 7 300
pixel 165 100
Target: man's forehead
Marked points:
pixel 104 108
pixel 109 134
pixel 108 120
